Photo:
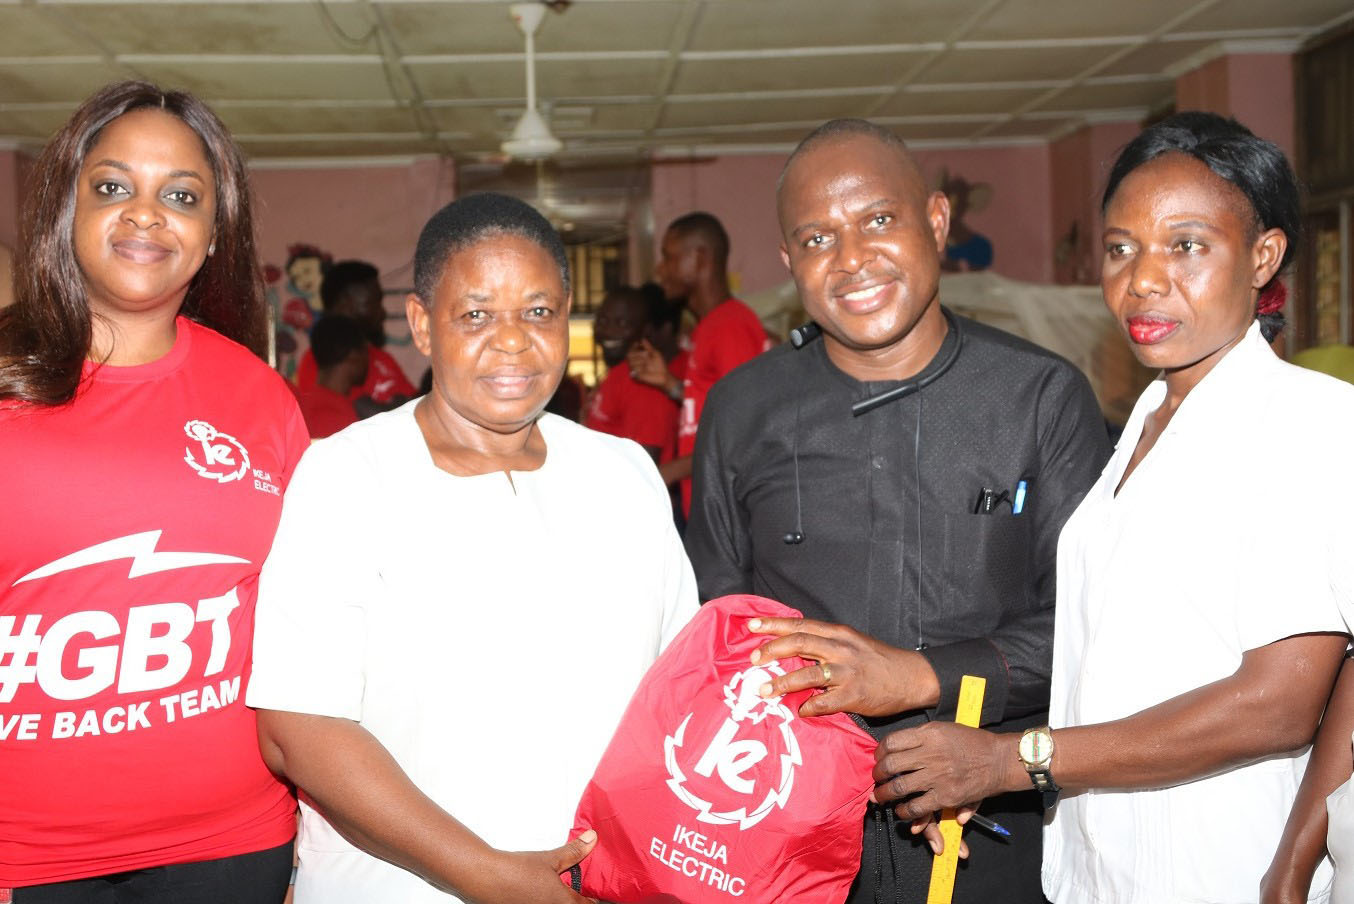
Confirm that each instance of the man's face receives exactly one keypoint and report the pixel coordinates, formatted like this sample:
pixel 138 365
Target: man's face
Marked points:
pixel 863 240
pixel 618 325
pixel 679 261
pixel 365 303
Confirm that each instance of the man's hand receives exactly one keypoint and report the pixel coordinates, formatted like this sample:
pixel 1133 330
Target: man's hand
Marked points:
pixel 943 764
pixel 858 673
pixel 535 875
pixel 929 827
pixel 647 366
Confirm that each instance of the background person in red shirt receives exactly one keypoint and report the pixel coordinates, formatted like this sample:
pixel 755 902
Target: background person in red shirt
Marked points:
pixel 693 264
pixel 353 289
pixel 621 405
pixel 340 350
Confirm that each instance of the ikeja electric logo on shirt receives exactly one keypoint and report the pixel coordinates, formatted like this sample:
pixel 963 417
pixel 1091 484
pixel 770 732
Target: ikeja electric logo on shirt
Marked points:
pixel 221 457
pixel 744 752
pixel 80 654
pixel 213 454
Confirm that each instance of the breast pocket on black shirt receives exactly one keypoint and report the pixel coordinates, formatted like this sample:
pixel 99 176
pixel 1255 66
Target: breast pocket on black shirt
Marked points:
pixel 987 566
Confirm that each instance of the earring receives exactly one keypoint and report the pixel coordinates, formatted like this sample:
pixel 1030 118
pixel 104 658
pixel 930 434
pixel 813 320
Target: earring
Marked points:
pixel 211 249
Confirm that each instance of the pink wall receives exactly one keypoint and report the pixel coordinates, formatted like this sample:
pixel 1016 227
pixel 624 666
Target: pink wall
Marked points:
pixel 741 191
pixel 1017 219
pixel 373 213
pixel 1256 88
pixel 1079 164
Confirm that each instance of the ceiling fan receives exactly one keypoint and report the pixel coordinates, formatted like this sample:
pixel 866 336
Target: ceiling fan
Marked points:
pixel 531 139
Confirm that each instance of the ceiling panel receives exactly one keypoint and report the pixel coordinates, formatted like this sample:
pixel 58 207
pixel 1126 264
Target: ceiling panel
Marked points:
pixel 1044 19
pixel 67 81
pixel 25 31
pixel 1276 14
pixel 1031 129
pixel 1111 97
pixel 1154 58
pixel 988 100
pixel 783 73
pixel 312 118
pixel 433 28
pixel 934 131
pixel 1011 64
pixel 338 148
pixel 554 79
pixel 813 23
pixel 270 80
pixel 181 28
pixel 729 113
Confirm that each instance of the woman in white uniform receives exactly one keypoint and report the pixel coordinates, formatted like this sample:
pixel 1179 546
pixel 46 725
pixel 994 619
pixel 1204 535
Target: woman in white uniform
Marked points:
pixel 1197 632
pixel 462 596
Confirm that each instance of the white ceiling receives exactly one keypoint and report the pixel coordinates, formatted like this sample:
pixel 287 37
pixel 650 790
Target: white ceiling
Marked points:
pixel 620 78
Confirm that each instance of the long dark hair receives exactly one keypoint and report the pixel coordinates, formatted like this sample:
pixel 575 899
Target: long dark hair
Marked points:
pixel 1258 169
pixel 45 334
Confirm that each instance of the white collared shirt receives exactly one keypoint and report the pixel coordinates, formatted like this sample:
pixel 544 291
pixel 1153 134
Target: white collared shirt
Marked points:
pixel 1226 537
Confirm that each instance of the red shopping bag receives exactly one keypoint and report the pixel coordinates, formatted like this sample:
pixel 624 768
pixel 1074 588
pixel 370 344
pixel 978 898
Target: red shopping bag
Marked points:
pixel 710 793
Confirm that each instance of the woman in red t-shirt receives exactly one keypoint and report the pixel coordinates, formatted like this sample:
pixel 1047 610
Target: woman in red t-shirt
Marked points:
pixel 144 447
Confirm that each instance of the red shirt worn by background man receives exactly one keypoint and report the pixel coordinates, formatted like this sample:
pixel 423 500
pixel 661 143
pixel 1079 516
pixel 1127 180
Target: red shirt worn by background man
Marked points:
pixel 385 380
pixel 622 406
pixel 326 412
pixel 723 339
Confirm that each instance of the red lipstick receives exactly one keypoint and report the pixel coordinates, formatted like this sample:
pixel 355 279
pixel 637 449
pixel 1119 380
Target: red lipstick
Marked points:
pixel 1150 330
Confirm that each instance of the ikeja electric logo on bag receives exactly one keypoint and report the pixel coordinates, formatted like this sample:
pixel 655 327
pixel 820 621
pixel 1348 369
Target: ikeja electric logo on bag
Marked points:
pixel 743 769
pixel 216 455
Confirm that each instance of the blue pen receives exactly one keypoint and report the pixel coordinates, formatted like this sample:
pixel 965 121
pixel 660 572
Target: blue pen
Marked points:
pixel 982 821
pixel 1018 504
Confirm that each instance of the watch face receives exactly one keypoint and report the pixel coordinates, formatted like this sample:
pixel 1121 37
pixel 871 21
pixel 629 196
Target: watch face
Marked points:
pixel 1036 747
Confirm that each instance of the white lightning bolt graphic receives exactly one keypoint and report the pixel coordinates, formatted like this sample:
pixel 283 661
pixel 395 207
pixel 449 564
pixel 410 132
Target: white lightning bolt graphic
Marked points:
pixel 140 548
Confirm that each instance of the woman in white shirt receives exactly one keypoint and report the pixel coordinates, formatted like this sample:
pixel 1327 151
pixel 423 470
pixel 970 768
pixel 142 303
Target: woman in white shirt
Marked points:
pixel 1197 632
pixel 435 666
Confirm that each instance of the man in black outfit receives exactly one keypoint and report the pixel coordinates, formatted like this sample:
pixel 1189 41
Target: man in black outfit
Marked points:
pixel 918 532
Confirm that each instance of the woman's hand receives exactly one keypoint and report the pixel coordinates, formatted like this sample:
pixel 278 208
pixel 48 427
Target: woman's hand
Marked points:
pixel 858 674
pixel 943 764
pixel 535 875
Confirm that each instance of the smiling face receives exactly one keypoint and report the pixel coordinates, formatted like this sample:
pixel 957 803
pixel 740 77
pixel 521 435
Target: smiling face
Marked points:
pixel 145 207
pixel 619 324
pixel 1184 261
pixel 496 331
pixel 863 240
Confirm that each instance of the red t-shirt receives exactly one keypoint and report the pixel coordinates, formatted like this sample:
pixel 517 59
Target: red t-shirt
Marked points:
pixel 723 339
pixel 623 406
pixel 137 518
pixel 385 380
pixel 326 412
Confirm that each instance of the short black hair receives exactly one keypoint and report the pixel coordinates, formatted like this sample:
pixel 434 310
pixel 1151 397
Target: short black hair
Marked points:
pixel 340 277
pixel 1258 169
pixel 466 221
pixel 840 128
pixel 335 338
pixel 707 228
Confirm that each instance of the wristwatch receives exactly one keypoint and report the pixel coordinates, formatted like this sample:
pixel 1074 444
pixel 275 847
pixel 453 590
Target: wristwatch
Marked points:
pixel 1036 752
